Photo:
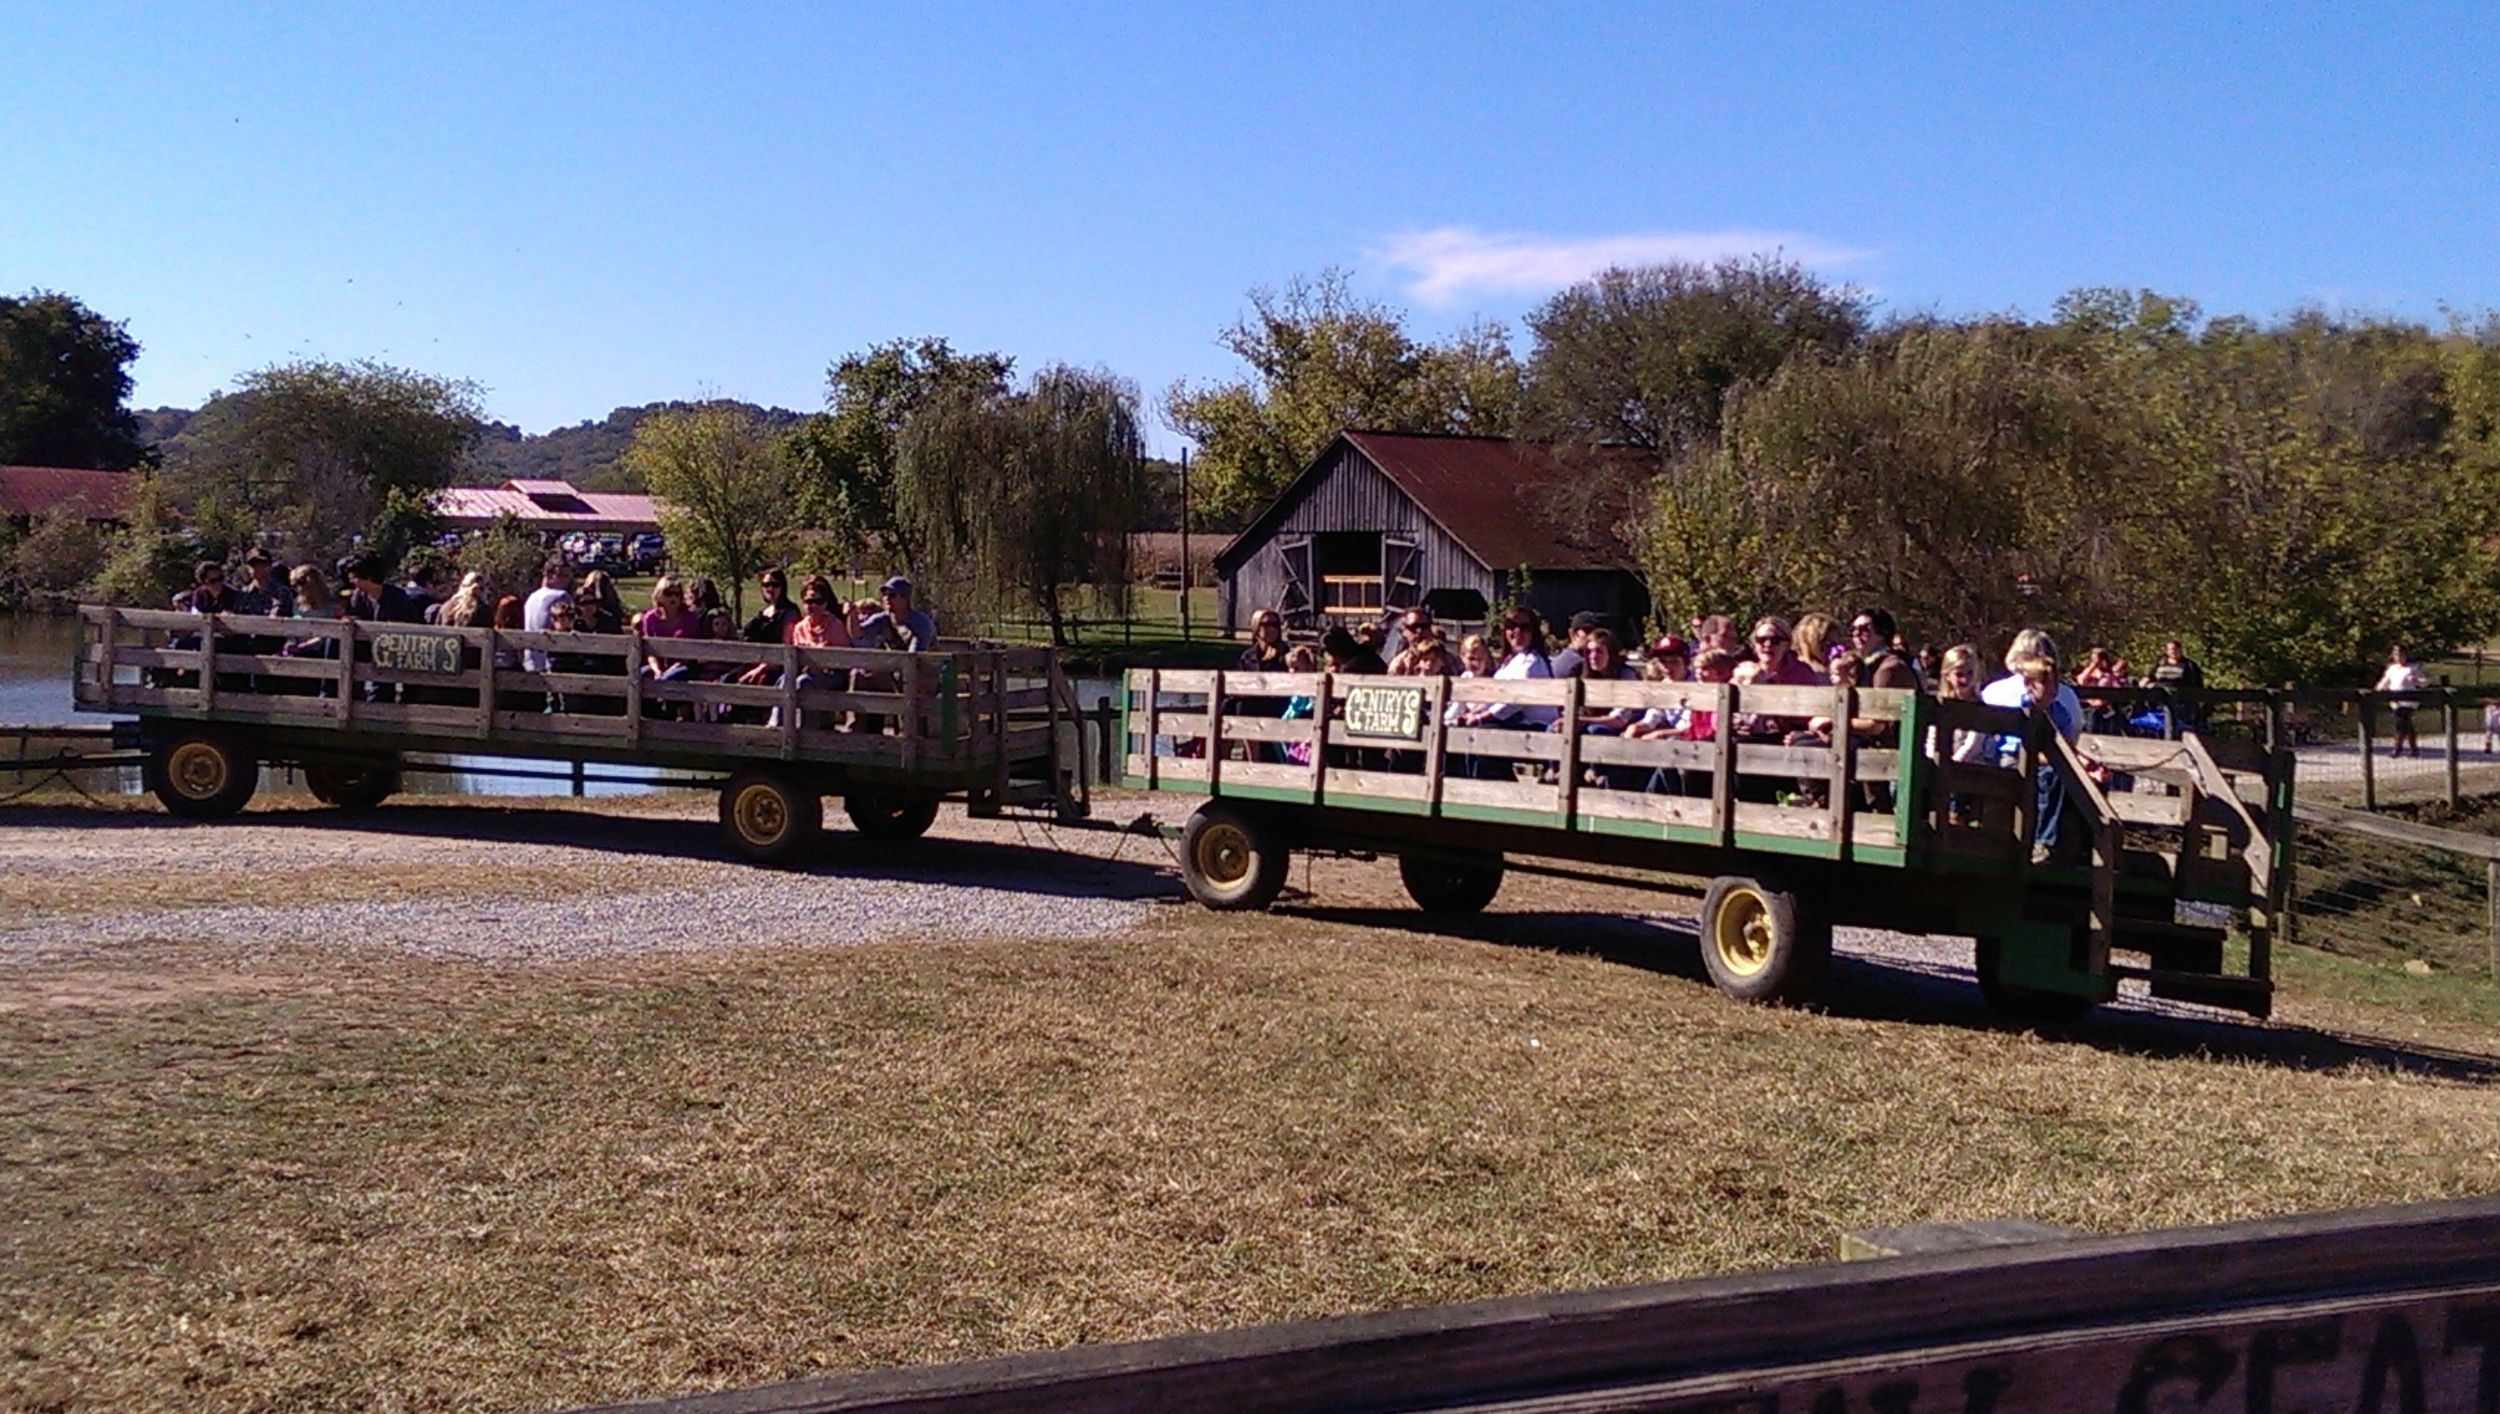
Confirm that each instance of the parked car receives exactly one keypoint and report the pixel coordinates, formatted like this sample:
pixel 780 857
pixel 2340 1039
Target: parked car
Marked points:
pixel 647 553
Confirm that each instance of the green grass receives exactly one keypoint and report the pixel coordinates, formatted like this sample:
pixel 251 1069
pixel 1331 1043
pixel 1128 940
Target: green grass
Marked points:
pixel 2384 987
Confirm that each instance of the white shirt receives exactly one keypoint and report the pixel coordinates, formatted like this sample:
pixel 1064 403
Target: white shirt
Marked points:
pixel 2402 677
pixel 2065 710
pixel 1517 667
pixel 534 620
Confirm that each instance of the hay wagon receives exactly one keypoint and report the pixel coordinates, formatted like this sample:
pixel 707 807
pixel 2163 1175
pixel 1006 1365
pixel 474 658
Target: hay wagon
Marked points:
pixel 356 705
pixel 2176 870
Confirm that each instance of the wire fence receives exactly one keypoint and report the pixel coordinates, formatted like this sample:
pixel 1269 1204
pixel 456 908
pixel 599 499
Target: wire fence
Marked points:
pixel 2391 892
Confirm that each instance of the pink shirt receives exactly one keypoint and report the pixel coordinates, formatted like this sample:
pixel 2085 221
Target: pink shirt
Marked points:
pixel 651 623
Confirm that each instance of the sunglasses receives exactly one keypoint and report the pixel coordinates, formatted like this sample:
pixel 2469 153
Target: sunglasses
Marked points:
pixel 1770 638
pixel 817 601
pixel 1861 628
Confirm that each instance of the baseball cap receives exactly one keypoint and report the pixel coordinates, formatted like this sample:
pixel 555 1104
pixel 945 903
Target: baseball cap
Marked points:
pixel 895 584
pixel 1671 646
pixel 1588 618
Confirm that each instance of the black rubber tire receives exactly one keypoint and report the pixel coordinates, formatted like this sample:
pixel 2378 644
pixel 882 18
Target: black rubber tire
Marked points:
pixel 2023 1006
pixel 770 818
pixel 352 785
pixel 891 818
pixel 1761 943
pixel 1441 883
pixel 201 773
pixel 1233 860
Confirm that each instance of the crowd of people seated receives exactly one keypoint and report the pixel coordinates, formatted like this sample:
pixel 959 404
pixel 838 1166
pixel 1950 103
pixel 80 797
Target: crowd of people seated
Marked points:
pixel 1868 651
pixel 564 601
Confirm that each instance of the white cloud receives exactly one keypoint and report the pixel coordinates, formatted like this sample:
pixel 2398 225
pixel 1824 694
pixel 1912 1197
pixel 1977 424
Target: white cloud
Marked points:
pixel 1450 262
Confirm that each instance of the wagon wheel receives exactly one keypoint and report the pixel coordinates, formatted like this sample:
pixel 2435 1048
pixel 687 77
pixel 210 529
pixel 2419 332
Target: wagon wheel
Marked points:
pixel 890 817
pixel 202 773
pixel 770 818
pixel 352 785
pixel 1441 883
pixel 1760 942
pixel 1232 859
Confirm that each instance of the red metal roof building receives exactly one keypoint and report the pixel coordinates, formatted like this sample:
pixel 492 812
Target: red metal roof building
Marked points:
pixel 1383 520
pixel 546 506
pixel 29 491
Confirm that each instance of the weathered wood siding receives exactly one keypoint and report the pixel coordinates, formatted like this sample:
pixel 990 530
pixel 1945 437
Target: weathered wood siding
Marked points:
pixel 1350 494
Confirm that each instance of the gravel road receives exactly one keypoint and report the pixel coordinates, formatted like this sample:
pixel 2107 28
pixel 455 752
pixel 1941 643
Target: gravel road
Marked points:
pixel 527 882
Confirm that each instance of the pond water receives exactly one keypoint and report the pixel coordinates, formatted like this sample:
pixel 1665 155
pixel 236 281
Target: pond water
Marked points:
pixel 38 652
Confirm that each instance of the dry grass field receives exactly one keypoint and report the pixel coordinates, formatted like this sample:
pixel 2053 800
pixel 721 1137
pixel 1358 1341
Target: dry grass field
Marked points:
pixel 298 1170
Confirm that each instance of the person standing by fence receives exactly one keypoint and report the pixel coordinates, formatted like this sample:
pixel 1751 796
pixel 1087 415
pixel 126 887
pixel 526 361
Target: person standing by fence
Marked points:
pixel 2403 675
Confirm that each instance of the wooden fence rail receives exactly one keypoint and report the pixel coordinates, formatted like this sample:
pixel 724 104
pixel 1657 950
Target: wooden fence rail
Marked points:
pixel 2394 1309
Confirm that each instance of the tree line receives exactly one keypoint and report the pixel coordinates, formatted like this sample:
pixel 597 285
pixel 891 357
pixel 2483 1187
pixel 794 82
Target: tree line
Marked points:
pixel 2287 496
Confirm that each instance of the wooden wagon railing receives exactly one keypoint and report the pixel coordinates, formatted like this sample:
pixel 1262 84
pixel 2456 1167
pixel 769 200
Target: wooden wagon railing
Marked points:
pixel 1868 794
pixel 958 708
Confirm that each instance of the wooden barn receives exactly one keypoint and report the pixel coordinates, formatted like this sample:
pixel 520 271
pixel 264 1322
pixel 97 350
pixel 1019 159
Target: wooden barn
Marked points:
pixel 1383 520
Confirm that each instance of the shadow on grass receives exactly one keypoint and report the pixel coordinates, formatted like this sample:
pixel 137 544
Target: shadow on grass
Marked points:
pixel 1881 987
pixel 1138 869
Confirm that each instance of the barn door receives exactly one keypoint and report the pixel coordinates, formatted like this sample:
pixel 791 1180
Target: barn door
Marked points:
pixel 1294 599
pixel 1402 575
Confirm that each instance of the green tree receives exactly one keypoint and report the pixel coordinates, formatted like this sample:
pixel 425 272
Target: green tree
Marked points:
pixel 1321 360
pixel 58 553
pixel 1016 496
pixel 507 553
pixel 724 485
pixel 147 561
pixel 1704 549
pixel 311 449
pixel 402 524
pixel 2325 503
pixel 844 460
pixel 1646 356
pixel 1965 475
pixel 64 385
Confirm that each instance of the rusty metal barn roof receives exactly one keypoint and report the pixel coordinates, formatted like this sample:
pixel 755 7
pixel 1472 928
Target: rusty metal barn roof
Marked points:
pixel 1510 503
pixel 92 495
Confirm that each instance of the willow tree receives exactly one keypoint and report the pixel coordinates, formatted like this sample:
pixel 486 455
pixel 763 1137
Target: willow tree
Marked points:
pixel 1015 497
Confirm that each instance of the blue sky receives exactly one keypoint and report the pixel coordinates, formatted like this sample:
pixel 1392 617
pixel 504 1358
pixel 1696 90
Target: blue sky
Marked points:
pixel 584 206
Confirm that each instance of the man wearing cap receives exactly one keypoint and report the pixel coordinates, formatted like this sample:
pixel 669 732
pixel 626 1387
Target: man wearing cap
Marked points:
pixel 264 591
pixel 900 625
pixel 1567 662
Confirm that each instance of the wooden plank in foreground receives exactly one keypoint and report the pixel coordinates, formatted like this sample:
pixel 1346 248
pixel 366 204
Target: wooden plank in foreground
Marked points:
pixel 2394 1309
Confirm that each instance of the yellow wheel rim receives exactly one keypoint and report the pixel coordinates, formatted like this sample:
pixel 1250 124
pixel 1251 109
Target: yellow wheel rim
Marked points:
pixel 761 814
pixel 197 769
pixel 1741 933
pixel 1224 854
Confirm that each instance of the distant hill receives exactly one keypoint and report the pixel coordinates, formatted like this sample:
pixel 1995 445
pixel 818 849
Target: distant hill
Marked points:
pixel 585 453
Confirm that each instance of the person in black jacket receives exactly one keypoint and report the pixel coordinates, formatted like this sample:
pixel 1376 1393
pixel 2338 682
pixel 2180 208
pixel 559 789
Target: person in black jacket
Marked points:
pixel 377 600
